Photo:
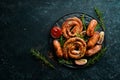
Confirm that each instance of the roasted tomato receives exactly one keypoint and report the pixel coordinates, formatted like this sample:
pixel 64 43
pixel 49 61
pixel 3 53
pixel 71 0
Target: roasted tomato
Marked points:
pixel 56 32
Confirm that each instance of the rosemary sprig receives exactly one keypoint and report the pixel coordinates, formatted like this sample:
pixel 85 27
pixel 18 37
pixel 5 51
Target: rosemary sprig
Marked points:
pixel 97 27
pixel 96 57
pixel 63 61
pixel 62 40
pixel 100 17
pixel 38 55
pixel 82 37
pixel 83 21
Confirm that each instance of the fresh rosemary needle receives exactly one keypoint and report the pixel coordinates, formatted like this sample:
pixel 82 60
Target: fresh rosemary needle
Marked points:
pixel 38 55
pixel 62 40
pixel 83 21
pixel 63 61
pixel 100 17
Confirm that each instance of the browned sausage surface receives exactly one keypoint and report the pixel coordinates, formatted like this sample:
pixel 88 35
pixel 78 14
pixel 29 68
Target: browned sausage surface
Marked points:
pixel 91 27
pixel 74 48
pixel 93 40
pixel 93 50
pixel 71 27
pixel 58 48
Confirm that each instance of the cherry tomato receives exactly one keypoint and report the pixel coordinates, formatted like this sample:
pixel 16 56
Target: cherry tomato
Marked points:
pixel 56 32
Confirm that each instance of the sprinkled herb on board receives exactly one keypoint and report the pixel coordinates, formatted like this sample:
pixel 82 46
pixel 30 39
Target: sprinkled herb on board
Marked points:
pixel 100 17
pixel 38 55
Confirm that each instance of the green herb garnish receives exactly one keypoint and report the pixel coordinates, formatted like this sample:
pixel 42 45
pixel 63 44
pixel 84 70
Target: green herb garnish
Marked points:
pixel 80 36
pixel 97 27
pixel 63 61
pixel 84 37
pixel 100 17
pixel 38 55
pixel 96 57
pixel 62 40
pixel 83 21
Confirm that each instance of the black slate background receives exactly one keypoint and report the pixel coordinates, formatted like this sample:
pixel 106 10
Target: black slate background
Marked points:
pixel 25 24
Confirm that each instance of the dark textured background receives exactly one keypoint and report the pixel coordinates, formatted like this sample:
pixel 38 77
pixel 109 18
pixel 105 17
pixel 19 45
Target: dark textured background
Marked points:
pixel 25 24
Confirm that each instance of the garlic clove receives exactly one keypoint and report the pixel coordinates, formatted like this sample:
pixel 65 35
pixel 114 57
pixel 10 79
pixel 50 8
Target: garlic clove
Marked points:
pixel 81 62
pixel 101 38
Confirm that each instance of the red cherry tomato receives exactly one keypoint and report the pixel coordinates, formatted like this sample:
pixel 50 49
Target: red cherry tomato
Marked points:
pixel 56 32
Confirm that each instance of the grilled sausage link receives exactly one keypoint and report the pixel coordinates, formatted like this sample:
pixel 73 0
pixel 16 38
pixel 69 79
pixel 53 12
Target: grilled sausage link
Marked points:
pixel 93 50
pixel 91 27
pixel 58 48
pixel 93 40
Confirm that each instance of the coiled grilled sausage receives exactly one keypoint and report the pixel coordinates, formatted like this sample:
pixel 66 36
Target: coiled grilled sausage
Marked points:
pixel 71 27
pixel 74 48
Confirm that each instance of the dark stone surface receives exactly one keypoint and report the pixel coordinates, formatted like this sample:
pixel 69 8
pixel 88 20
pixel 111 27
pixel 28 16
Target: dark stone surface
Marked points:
pixel 25 24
